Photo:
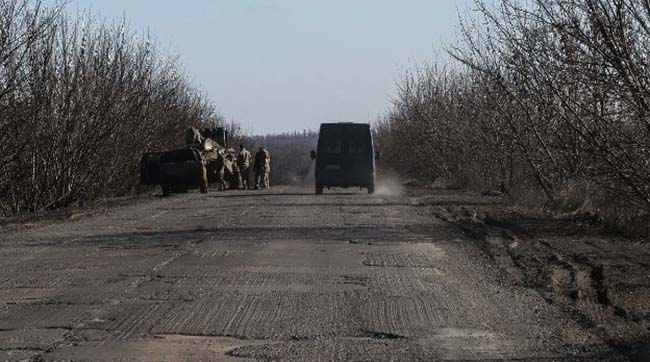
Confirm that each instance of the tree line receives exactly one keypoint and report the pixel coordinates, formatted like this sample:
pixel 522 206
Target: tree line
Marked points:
pixel 80 100
pixel 291 163
pixel 543 97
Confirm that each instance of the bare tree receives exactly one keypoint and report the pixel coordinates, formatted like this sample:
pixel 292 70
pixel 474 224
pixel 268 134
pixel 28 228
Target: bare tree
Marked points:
pixel 80 101
pixel 551 95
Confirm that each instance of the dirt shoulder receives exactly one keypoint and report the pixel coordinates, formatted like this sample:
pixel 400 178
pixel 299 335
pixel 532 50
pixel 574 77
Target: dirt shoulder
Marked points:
pixel 603 281
pixel 47 217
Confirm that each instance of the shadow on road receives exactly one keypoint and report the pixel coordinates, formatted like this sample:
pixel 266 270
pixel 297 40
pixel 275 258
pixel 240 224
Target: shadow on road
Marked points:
pixel 370 233
pixel 336 204
pixel 265 194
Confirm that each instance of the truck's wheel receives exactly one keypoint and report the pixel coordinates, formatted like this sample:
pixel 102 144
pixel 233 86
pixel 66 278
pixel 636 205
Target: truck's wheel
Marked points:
pixel 319 189
pixel 371 188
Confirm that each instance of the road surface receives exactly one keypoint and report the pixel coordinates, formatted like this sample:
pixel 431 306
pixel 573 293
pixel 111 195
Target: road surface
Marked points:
pixel 280 275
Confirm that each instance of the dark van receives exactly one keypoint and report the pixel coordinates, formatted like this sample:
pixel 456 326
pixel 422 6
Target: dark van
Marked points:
pixel 345 157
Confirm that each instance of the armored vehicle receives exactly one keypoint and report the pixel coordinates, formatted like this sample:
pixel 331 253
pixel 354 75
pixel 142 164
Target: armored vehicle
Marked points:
pixel 205 159
pixel 345 157
pixel 181 170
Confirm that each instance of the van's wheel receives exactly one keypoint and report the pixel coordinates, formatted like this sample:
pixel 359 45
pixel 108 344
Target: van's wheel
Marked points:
pixel 319 189
pixel 371 188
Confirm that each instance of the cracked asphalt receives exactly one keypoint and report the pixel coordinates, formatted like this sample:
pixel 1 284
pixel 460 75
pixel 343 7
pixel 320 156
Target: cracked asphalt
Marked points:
pixel 279 275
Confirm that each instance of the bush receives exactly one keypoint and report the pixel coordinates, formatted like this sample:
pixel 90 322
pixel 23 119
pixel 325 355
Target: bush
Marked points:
pixel 548 96
pixel 291 163
pixel 80 101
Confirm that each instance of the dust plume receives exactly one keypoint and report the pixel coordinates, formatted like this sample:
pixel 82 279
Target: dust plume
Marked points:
pixel 389 183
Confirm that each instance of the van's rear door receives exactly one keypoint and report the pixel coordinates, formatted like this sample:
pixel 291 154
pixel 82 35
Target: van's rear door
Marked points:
pixel 357 145
pixel 344 154
pixel 331 153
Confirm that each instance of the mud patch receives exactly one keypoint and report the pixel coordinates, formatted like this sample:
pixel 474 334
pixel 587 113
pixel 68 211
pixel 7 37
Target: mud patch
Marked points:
pixel 600 280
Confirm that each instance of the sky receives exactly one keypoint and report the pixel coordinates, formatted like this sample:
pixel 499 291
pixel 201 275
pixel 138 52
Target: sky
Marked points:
pixel 284 65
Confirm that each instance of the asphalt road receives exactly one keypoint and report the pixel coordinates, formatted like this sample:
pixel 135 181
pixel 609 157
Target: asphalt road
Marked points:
pixel 280 275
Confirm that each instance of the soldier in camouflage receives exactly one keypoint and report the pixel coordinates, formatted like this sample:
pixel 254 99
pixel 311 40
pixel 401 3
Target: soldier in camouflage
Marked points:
pixel 243 167
pixel 262 168
pixel 221 170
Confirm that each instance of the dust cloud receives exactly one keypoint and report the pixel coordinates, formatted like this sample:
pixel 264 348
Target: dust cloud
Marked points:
pixel 389 184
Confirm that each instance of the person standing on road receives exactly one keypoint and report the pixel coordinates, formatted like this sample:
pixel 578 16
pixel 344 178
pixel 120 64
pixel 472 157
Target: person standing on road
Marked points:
pixel 243 167
pixel 221 170
pixel 262 168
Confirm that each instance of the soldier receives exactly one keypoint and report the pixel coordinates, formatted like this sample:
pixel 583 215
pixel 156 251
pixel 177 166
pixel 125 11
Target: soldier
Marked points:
pixel 243 166
pixel 262 168
pixel 193 138
pixel 231 169
pixel 221 170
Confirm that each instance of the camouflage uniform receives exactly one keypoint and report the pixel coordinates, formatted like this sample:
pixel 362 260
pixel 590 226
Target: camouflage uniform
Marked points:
pixel 243 167
pixel 262 168
pixel 221 170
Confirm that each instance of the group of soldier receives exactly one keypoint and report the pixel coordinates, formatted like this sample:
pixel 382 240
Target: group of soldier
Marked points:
pixel 232 169
pixel 261 167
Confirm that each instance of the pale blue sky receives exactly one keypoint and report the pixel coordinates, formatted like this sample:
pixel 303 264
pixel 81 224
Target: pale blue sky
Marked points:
pixel 282 65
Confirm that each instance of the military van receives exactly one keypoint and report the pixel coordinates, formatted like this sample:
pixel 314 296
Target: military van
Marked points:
pixel 345 157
